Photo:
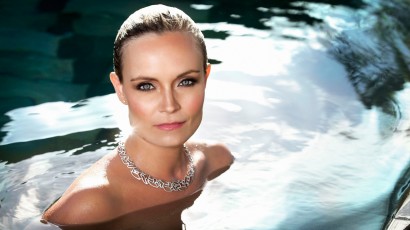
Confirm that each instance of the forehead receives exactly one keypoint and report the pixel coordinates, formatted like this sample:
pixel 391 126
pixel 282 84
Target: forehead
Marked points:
pixel 153 51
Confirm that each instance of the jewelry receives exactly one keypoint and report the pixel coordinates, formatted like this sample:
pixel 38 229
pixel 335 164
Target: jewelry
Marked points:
pixel 168 186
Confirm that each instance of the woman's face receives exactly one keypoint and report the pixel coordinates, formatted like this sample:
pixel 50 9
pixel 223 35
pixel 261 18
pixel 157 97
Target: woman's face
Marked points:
pixel 164 87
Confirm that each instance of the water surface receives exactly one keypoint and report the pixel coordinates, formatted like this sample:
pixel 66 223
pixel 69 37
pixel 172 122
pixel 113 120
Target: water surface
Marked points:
pixel 311 97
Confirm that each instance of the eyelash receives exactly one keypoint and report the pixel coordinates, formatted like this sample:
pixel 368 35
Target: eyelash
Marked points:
pixel 191 81
pixel 146 86
pixel 143 86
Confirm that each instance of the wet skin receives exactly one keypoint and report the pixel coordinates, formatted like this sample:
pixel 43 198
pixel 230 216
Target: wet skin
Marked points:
pixel 163 86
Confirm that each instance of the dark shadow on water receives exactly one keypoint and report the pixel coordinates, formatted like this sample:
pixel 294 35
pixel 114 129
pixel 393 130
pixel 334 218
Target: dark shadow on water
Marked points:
pixel 51 6
pixel 399 194
pixel 73 42
pixel 371 68
pixel 376 60
pixel 375 57
pixel 253 14
pixel 82 141
pixel 63 50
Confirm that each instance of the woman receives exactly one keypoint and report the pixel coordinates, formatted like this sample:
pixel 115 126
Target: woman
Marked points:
pixel 160 73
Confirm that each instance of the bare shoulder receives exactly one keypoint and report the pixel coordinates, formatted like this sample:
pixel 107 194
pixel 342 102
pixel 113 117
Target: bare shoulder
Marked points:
pixel 84 206
pixel 87 200
pixel 218 158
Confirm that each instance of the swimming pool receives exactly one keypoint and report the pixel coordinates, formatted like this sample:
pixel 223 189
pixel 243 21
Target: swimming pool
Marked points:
pixel 312 98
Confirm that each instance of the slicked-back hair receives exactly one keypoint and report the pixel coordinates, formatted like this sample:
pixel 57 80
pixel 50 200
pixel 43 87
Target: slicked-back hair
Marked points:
pixel 155 19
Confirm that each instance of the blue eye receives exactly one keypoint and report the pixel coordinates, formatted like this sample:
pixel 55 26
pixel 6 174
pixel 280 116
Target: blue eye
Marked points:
pixel 145 86
pixel 188 82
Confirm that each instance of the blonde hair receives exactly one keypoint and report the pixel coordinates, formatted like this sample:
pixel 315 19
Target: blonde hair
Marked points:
pixel 155 19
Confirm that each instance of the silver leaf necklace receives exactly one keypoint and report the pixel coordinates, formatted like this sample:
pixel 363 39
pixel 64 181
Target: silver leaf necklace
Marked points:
pixel 168 186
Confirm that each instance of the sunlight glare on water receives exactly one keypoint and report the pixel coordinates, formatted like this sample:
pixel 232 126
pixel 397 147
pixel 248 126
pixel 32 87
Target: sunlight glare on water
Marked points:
pixel 240 57
pixel 61 118
pixel 310 153
pixel 339 163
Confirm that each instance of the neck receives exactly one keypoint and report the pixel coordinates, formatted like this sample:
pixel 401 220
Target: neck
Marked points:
pixel 162 162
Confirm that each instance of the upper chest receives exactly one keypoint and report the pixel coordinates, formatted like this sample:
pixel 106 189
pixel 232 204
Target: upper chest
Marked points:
pixel 131 194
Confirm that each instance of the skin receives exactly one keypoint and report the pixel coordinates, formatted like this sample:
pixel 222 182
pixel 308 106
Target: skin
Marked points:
pixel 164 88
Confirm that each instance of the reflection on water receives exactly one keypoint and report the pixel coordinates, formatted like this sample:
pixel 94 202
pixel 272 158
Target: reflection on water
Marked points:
pixel 313 98
pixel 51 119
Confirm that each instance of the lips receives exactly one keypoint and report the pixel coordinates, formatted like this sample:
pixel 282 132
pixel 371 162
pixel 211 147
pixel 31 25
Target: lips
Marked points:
pixel 170 126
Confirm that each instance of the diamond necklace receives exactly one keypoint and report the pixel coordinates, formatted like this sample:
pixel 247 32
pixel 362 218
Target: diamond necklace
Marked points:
pixel 168 186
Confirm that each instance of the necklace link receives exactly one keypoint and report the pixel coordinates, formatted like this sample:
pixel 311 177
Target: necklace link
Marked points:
pixel 168 186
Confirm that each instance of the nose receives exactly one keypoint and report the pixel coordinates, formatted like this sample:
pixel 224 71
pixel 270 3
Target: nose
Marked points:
pixel 169 102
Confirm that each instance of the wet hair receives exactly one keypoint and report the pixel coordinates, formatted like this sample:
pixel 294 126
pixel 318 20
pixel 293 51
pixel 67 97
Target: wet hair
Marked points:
pixel 155 19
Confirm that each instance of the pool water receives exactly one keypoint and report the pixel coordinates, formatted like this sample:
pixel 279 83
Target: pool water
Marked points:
pixel 312 97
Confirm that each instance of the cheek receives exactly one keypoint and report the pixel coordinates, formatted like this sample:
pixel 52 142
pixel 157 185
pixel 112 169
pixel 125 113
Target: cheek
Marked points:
pixel 194 104
pixel 140 108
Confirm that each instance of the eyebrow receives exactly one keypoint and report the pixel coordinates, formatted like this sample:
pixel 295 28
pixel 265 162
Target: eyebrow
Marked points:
pixel 147 78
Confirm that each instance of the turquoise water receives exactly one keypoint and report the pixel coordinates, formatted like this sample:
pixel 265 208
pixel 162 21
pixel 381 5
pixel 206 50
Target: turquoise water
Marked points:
pixel 312 98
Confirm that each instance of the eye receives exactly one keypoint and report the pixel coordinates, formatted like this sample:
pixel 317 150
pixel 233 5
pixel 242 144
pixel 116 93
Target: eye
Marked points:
pixel 145 86
pixel 188 82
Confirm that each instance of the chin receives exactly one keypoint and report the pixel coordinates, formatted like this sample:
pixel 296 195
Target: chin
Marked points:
pixel 172 139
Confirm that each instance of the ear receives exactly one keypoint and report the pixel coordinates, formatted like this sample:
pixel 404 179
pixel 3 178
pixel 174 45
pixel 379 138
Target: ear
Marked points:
pixel 207 70
pixel 115 81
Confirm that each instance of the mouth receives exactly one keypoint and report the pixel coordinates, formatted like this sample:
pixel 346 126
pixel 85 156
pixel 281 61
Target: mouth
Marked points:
pixel 170 126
